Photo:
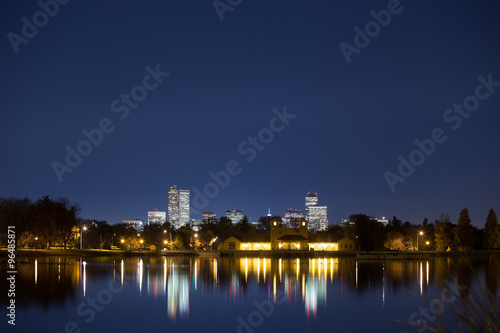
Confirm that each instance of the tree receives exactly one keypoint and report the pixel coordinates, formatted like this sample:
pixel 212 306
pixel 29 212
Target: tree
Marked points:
pixel 395 223
pixel 45 220
pixel 153 234
pixel 429 229
pixel 335 229
pixel 225 228
pixel 18 213
pixel 177 243
pixel 464 232
pixel 66 219
pixel 244 227
pixel 394 241
pixel 492 231
pixel 206 237
pixel 443 233
pixel 369 234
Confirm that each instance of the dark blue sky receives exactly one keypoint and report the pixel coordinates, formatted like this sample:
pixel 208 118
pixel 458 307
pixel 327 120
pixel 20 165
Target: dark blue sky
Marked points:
pixel 352 120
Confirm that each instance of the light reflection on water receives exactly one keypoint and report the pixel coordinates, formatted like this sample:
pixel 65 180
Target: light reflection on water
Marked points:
pixel 311 283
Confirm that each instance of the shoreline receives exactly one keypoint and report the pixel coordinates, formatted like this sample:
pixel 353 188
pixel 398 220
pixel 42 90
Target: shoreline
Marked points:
pixel 379 255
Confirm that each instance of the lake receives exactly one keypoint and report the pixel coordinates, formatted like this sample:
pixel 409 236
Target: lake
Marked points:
pixel 188 294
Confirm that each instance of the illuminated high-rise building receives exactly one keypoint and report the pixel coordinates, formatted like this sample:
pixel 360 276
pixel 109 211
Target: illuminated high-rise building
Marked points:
pixel 316 215
pixel 311 200
pixel 208 216
pixel 178 207
pixel 292 217
pixel 318 218
pixel 184 207
pixel 235 215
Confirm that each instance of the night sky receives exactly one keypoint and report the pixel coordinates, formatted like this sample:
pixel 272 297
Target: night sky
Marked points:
pixel 347 118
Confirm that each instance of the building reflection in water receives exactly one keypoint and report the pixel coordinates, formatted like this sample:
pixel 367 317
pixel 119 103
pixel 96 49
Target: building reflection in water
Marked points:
pixel 310 281
pixel 178 291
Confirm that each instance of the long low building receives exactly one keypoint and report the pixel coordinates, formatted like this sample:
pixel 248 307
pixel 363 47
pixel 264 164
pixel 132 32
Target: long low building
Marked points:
pixel 287 239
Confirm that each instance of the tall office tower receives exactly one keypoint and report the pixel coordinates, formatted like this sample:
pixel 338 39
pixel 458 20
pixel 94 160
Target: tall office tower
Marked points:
pixel 235 215
pixel 178 207
pixel 292 217
pixel 208 215
pixel 311 200
pixel 173 207
pixel 318 218
pixel 184 207
pixel 157 217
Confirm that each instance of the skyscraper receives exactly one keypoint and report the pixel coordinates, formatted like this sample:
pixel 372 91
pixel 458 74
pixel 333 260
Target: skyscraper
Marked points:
pixel 318 218
pixel 292 217
pixel 311 200
pixel 178 207
pixel 173 207
pixel 316 215
pixel 184 207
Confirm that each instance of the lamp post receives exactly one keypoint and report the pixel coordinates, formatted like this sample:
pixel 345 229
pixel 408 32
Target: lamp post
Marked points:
pixel 36 243
pixel 421 234
pixel 122 241
pixel 140 249
pixel 81 237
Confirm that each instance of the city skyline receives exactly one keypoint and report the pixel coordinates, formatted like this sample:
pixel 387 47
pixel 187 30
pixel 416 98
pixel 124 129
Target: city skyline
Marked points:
pixel 118 116
pixel 397 121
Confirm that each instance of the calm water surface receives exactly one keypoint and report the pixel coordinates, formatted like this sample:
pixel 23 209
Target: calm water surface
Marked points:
pixel 105 294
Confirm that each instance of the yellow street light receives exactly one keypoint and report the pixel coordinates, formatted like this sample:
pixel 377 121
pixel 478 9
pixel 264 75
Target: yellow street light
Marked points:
pixel 420 233
pixel 427 243
pixel 122 241
pixel 142 241
pixel 165 242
